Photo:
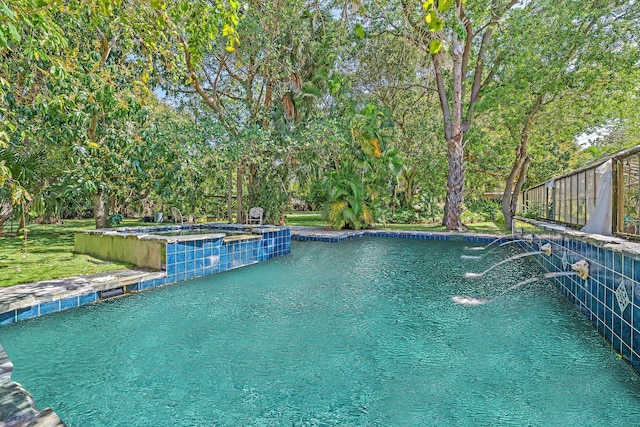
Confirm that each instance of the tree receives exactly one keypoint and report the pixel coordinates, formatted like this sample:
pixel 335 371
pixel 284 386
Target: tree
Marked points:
pixel 554 72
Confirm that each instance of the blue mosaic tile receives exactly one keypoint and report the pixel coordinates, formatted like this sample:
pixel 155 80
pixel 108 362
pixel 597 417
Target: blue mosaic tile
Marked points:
pixel 617 262
pixel 8 317
pixel 171 259
pixel 635 335
pixel 147 284
pixel 608 317
pixel 635 321
pixel 608 259
pixel 132 288
pixel 180 277
pixel 189 266
pixel 68 303
pixel 49 307
pixel 625 332
pixel 617 326
pixel 180 268
pixel 87 298
pixel 181 257
pixel 616 343
pixel 627 263
pixel 608 335
pixel 26 313
pixel 626 352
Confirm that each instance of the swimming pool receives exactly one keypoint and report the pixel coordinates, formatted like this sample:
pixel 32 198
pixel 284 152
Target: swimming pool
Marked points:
pixel 358 333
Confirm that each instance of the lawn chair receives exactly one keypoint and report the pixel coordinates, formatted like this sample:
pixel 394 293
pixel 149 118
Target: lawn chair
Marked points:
pixel 177 216
pixel 255 216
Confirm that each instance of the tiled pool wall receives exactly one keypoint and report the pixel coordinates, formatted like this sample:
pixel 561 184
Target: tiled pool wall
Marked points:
pixel 610 297
pixel 185 260
pixel 196 258
pixel 341 236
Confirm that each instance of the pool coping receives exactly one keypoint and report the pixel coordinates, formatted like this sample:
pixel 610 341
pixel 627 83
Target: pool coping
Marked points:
pixel 33 299
pixel 326 234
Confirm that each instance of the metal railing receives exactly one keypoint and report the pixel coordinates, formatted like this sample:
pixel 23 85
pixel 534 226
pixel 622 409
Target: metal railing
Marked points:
pixel 571 198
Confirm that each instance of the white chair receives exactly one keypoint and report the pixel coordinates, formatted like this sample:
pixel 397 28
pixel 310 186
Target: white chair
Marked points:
pixel 255 216
pixel 177 216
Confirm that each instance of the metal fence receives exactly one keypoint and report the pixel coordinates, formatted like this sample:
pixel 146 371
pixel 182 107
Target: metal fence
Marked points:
pixel 571 198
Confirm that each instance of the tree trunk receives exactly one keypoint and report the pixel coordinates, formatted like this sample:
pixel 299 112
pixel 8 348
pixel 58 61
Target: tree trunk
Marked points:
pixel 99 210
pixel 230 195
pixel 518 173
pixel 240 215
pixel 409 179
pixel 455 146
pixel 455 184
pixel 514 183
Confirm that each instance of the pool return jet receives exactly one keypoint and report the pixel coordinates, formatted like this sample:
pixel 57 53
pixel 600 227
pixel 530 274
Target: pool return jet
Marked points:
pixel 544 249
pixel 527 239
pixel 580 269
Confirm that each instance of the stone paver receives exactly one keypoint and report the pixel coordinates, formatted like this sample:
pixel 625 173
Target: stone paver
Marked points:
pixel 17 408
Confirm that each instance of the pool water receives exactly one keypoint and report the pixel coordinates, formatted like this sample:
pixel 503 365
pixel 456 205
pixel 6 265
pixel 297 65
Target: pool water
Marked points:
pixel 360 333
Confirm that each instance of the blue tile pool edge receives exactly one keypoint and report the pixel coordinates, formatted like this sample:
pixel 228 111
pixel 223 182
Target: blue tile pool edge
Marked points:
pixel 194 260
pixel 614 271
pixel 337 237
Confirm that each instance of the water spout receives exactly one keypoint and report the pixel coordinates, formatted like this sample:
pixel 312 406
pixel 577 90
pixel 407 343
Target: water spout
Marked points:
pixel 470 256
pixel 480 275
pixel 482 248
pixel 472 301
pixel 469 301
pixel 581 268
pixel 515 241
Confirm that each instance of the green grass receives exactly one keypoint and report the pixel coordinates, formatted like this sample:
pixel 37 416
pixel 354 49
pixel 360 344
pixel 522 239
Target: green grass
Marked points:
pixel 49 252
pixel 315 219
pixel 305 218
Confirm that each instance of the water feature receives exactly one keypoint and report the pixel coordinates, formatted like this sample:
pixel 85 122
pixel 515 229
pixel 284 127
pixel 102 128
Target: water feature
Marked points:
pixel 511 258
pixel 473 301
pixel 357 333
pixel 482 248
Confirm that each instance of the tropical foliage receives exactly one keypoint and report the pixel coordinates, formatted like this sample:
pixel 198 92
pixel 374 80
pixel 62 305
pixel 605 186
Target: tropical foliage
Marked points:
pixel 370 111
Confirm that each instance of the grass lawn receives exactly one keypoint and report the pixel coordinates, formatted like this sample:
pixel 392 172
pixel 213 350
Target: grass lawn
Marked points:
pixel 49 252
pixel 315 219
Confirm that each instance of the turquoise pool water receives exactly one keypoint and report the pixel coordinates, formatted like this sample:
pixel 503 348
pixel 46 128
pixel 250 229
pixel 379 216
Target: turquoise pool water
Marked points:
pixel 360 333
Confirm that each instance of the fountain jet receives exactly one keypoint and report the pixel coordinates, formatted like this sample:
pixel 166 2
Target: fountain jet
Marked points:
pixel 482 248
pixel 473 301
pixel 481 275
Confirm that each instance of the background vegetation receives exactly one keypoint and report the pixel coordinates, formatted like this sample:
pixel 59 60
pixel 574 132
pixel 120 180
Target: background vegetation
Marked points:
pixel 368 110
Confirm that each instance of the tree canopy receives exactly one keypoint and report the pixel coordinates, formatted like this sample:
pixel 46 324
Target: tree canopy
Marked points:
pixel 369 111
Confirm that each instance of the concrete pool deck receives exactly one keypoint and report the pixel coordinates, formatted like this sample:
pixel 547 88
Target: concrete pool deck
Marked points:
pixel 33 299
